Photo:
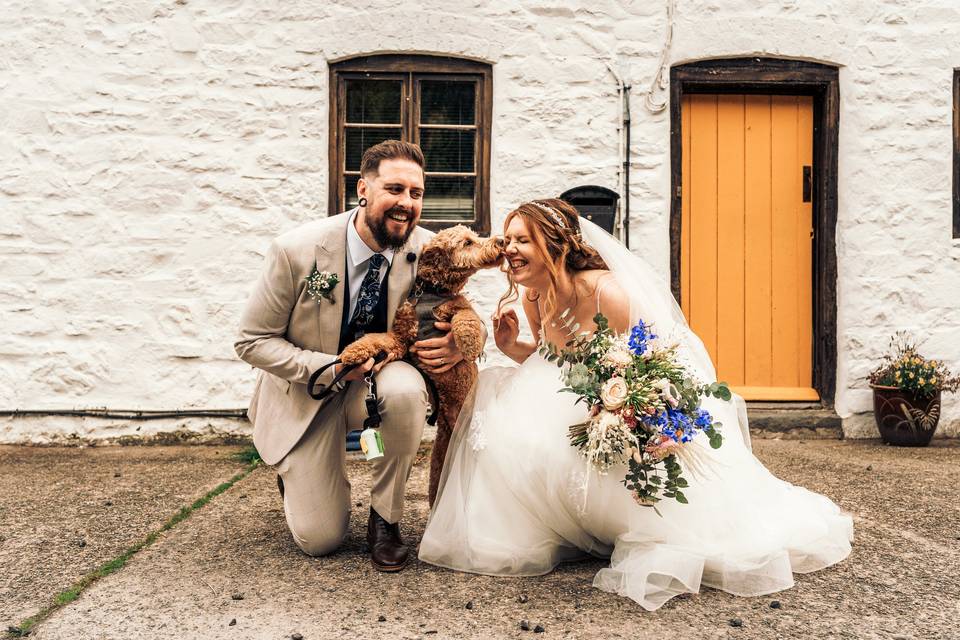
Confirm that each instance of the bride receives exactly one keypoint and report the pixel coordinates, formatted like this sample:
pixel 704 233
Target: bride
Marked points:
pixel 517 499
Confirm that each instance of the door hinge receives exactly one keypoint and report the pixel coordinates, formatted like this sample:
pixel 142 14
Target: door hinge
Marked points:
pixel 807 182
pixel 679 191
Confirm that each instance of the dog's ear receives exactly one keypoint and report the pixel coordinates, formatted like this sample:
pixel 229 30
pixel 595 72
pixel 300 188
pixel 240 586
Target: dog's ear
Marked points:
pixel 429 266
pixel 430 255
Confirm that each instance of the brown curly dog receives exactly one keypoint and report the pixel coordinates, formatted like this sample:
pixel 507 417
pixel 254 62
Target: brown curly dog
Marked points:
pixel 447 262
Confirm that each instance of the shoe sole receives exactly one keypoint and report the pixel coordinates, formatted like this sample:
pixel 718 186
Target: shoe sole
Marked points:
pixel 388 568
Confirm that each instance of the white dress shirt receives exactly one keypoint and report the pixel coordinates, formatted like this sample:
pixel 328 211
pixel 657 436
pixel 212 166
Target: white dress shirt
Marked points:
pixel 358 261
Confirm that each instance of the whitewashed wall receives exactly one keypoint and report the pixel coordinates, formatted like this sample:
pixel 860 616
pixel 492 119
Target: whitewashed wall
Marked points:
pixel 149 151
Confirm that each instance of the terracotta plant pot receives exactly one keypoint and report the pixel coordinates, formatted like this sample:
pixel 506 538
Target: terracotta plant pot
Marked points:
pixel 905 419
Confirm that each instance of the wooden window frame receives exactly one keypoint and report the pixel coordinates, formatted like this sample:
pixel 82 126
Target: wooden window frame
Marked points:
pixel 956 154
pixel 416 68
pixel 789 77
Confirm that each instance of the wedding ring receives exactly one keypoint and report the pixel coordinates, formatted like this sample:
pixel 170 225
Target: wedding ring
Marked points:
pixel 441 362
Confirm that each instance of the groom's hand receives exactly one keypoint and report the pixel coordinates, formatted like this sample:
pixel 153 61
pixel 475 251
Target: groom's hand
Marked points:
pixel 356 373
pixel 438 355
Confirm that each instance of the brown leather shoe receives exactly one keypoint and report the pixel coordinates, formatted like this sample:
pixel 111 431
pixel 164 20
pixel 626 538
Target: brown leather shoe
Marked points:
pixel 387 551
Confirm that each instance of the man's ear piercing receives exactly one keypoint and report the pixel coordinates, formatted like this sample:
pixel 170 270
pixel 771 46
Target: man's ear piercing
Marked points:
pixel 362 202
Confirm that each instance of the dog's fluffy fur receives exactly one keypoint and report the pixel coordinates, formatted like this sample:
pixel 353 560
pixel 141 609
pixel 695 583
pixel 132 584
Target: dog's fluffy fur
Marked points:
pixel 447 262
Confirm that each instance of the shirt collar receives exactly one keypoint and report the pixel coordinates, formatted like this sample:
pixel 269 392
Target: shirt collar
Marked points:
pixel 358 249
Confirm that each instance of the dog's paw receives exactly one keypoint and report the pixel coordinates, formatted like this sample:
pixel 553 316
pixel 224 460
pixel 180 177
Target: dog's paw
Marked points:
pixel 468 341
pixel 358 352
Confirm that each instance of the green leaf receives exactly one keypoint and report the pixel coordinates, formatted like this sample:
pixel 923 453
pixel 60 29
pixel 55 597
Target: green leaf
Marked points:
pixel 715 440
pixel 682 499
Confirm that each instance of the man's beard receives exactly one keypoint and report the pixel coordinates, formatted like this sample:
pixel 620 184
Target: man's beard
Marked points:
pixel 383 237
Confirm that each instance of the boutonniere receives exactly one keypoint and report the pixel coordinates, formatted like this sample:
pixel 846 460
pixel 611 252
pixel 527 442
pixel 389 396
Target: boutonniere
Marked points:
pixel 320 284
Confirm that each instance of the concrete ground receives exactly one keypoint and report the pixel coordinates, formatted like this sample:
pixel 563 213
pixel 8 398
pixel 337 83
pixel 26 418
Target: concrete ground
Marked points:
pixel 231 570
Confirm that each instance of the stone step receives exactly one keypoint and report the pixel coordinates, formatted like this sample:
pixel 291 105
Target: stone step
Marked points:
pixel 794 419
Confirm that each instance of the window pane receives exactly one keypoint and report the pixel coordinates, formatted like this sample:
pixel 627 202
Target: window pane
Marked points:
pixel 373 101
pixel 350 189
pixel 448 198
pixel 359 140
pixel 448 149
pixel 447 102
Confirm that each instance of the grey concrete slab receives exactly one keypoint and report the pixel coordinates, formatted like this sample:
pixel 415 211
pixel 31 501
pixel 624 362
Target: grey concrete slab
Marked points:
pixel 231 571
pixel 65 511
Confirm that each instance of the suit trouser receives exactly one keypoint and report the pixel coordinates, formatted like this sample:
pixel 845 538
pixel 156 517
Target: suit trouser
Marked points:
pixel 316 489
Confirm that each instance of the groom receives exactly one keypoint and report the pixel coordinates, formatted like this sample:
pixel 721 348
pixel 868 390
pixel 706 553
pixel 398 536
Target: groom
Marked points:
pixel 289 330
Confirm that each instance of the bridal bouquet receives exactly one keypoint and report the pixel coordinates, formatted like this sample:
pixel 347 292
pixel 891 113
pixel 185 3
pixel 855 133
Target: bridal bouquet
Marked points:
pixel 644 409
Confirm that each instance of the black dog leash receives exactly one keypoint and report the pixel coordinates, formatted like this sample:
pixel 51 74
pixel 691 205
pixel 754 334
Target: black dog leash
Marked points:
pixel 371 400
pixel 344 372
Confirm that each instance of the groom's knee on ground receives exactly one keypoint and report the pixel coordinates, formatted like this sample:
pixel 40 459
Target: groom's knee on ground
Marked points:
pixel 320 537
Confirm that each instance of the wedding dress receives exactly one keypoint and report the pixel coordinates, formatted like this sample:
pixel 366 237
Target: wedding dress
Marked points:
pixel 517 499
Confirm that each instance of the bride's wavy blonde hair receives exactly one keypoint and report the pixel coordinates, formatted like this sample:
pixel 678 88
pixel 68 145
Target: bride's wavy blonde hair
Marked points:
pixel 554 229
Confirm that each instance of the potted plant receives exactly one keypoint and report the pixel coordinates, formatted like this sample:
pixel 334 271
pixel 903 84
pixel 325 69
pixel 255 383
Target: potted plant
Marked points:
pixel 906 393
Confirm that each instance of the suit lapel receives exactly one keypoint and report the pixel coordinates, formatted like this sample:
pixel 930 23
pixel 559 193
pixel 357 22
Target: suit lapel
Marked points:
pixel 399 281
pixel 331 255
pixel 403 273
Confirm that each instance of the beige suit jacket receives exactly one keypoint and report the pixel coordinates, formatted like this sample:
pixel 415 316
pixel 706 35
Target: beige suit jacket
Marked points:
pixel 288 335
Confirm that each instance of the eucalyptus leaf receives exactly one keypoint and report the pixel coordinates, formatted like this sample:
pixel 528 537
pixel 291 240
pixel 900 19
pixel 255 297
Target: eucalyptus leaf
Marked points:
pixel 715 440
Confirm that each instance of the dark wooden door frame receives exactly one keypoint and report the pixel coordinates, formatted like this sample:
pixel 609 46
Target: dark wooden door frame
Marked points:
pixel 785 77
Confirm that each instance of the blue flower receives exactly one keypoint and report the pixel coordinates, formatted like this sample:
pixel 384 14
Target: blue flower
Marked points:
pixel 703 419
pixel 680 428
pixel 657 420
pixel 639 336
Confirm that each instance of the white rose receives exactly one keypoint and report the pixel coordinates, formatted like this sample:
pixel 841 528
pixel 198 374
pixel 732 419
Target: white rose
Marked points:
pixel 613 393
pixel 617 358
pixel 667 392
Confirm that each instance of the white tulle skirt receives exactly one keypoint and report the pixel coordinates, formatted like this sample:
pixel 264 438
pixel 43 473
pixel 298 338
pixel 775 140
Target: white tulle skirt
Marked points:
pixel 516 499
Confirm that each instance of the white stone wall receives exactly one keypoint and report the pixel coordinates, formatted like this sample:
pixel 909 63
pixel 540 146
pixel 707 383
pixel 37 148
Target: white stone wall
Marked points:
pixel 150 150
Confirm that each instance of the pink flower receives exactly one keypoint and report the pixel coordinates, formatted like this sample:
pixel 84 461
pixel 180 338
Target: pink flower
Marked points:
pixel 660 447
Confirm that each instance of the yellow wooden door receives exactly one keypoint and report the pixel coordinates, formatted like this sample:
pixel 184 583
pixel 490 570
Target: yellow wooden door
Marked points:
pixel 747 239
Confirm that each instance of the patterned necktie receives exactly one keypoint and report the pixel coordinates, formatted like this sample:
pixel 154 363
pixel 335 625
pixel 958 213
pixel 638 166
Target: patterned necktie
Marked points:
pixel 369 293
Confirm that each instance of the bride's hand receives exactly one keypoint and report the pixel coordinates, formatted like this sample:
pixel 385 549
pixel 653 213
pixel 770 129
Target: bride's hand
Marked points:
pixel 506 330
